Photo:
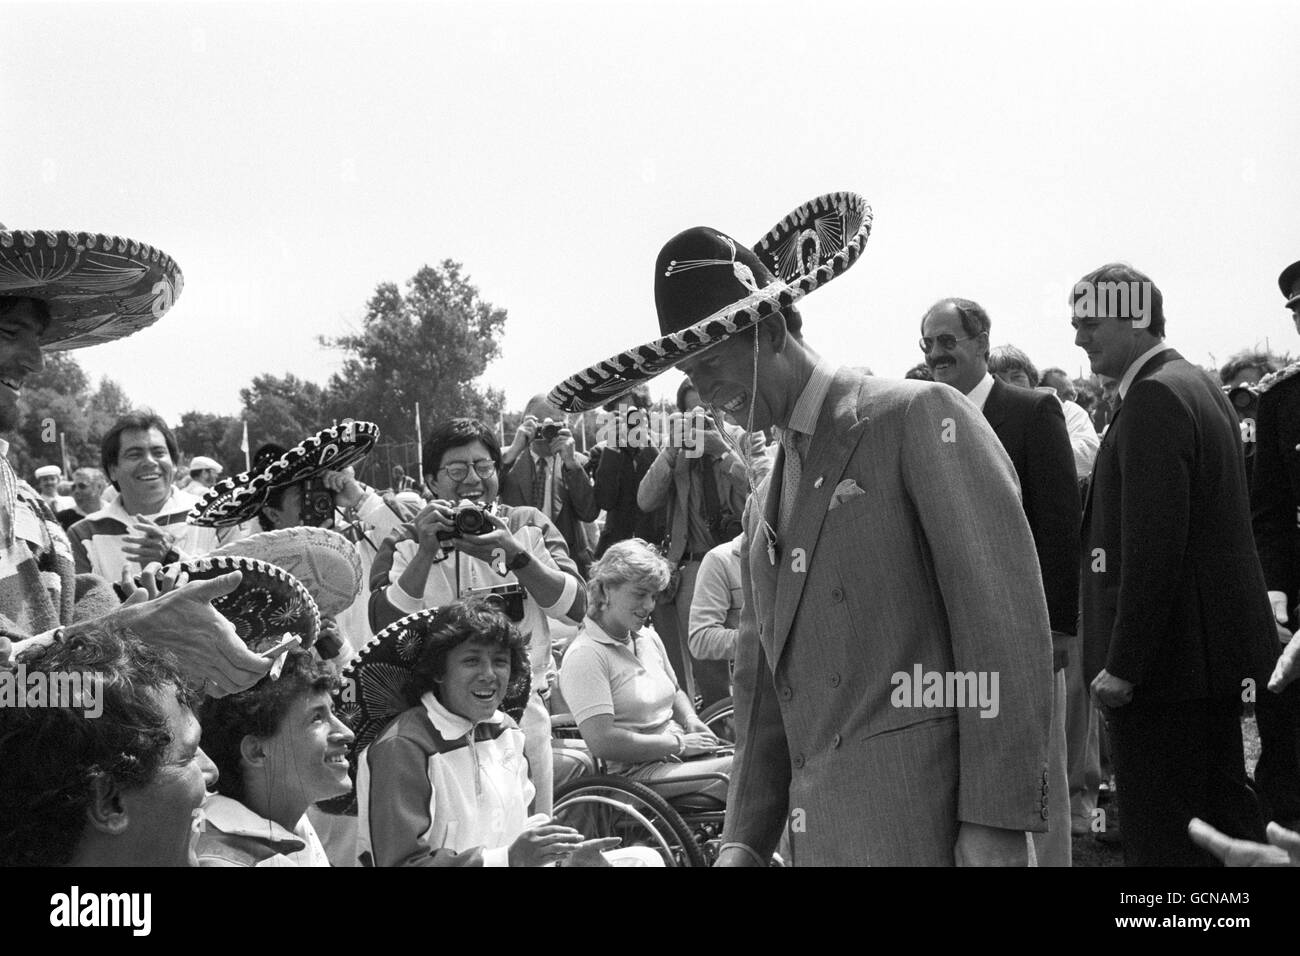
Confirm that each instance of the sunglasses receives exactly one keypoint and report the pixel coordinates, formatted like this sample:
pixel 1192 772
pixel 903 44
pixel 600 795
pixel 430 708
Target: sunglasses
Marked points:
pixel 459 471
pixel 947 341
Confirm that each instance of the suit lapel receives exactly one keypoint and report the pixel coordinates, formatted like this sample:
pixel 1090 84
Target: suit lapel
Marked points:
pixel 839 429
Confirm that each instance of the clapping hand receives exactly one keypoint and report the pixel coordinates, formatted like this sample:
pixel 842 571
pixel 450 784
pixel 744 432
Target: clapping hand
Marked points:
pixel 543 844
pixel 149 543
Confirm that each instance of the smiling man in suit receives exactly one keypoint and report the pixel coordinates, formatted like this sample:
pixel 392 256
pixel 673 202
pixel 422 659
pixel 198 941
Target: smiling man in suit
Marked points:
pixel 1177 629
pixel 887 543
pixel 1031 427
pixel 551 476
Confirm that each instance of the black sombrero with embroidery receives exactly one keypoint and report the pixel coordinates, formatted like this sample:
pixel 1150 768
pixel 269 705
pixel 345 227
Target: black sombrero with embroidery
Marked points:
pixel 708 288
pixel 97 287
pixel 268 604
pixel 239 498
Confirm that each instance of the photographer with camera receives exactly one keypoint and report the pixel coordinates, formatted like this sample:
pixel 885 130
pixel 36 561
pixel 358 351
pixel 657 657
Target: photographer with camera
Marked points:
pixel 551 477
pixel 701 479
pixel 465 544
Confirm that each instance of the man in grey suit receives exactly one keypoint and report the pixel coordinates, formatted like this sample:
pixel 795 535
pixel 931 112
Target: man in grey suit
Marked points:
pixel 894 663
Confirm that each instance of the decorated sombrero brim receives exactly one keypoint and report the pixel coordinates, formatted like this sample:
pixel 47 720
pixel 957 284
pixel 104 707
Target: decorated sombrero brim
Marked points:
pixel 373 684
pixel 804 251
pixel 268 604
pixel 323 561
pixel 237 499
pixel 98 288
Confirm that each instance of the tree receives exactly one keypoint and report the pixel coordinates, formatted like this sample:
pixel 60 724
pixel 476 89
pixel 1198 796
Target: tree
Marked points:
pixel 57 409
pixel 281 410
pixel 203 433
pixel 427 346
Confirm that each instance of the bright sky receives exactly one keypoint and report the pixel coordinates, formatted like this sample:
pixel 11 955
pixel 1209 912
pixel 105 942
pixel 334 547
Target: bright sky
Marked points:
pixel 292 156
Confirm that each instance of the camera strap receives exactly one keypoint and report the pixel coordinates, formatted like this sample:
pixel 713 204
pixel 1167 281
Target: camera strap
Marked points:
pixel 710 483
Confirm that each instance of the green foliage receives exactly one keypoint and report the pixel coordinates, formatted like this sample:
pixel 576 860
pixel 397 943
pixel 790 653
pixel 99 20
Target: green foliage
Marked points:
pixel 427 346
pixel 59 408
pixel 282 410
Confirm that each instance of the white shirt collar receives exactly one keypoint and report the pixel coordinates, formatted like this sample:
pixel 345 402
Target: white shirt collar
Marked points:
pixel 980 393
pixel 1136 367
pixel 451 726
pixel 232 817
pixel 602 636
pixel 4 448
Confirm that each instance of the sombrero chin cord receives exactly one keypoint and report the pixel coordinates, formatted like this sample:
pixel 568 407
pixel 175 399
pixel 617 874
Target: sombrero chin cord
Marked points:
pixel 768 531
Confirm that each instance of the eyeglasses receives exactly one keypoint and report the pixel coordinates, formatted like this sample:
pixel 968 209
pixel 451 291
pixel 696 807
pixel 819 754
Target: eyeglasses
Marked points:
pixel 947 341
pixel 459 470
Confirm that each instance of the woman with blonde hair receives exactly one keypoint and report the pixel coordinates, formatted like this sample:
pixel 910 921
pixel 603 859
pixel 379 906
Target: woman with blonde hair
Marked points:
pixel 620 686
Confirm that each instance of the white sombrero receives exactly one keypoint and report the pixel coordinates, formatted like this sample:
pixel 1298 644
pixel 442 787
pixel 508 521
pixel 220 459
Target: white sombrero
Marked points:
pixel 98 288
pixel 708 287
pixel 324 562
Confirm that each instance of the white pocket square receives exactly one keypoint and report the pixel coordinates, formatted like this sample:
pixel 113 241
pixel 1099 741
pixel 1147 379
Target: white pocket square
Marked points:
pixel 845 491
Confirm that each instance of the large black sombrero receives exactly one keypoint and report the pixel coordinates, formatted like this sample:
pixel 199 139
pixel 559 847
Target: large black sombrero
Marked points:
pixel 98 288
pixel 323 561
pixel 237 499
pixel 268 604
pixel 708 288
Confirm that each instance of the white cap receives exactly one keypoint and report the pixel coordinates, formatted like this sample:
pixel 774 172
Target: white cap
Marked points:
pixel 199 463
pixel 47 471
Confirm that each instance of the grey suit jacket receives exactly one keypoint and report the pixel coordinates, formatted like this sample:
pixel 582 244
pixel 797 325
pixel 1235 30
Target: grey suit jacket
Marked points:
pixel 932 568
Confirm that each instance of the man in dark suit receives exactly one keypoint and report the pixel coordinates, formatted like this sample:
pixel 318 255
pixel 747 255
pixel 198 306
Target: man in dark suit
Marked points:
pixel 1275 498
pixel 550 475
pixel 1031 427
pixel 617 466
pixel 1176 624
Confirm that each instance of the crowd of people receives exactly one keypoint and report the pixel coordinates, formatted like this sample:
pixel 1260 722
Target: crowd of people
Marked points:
pixel 964 617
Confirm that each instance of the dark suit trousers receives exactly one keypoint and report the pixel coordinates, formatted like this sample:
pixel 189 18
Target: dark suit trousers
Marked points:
pixel 1277 775
pixel 709 680
pixel 1175 761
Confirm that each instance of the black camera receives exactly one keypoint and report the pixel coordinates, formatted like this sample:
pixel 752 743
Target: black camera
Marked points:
pixel 1244 399
pixel 506 598
pixel 551 431
pixel 467 520
pixel 317 503
pixel 725 526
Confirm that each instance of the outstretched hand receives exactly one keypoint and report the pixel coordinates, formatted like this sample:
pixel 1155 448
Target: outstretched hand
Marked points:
pixel 206 644
pixel 1282 849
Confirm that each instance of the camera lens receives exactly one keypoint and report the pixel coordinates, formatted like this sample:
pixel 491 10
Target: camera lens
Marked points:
pixel 470 520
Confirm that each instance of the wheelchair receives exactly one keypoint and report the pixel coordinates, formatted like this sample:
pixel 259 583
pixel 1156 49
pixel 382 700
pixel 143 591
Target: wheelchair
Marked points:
pixel 686 830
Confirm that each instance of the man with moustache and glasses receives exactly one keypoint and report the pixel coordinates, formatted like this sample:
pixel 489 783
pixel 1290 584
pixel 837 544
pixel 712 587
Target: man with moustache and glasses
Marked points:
pixel 1031 427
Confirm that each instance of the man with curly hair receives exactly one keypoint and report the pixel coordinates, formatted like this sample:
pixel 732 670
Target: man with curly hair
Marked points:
pixel 120 788
pixel 280 749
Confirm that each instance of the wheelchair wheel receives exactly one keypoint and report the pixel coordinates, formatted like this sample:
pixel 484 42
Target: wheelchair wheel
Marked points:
pixel 613 806
pixel 720 717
